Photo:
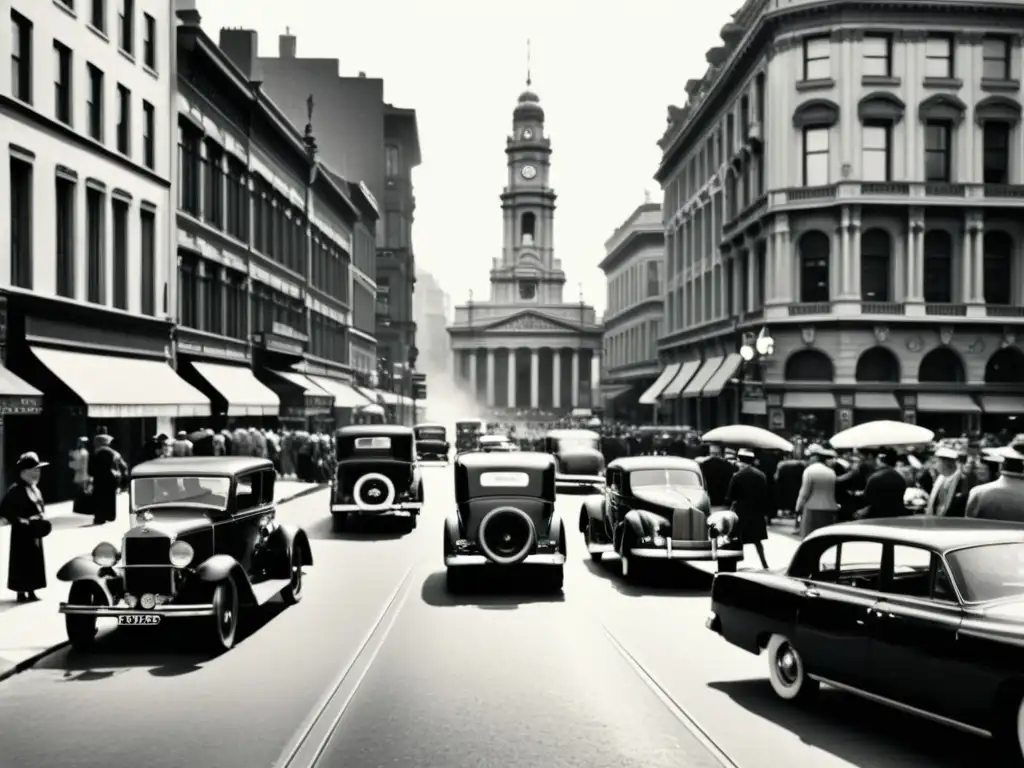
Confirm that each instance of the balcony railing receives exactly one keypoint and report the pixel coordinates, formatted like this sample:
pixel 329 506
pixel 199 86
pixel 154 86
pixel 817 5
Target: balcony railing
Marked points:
pixel 883 308
pixel 996 310
pixel 946 310
pixel 810 308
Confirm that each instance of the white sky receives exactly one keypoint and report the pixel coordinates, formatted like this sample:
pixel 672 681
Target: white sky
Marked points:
pixel 605 71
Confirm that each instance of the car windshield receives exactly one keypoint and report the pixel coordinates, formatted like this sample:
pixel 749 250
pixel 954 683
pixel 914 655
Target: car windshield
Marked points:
pixel 577 444
pixel 989 572
pixel 154 493
pixel 646 478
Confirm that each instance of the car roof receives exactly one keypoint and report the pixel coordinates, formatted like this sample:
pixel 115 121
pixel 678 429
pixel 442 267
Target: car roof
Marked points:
pixel 470 420
pixel 556 433
pixel 200 465
pixel 941 534
pixel 631 463
pixel 493 438
pixel 511 461
pixel 429 425
pixel 379 430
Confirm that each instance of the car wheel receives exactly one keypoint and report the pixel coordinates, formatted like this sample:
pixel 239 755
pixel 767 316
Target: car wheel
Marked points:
pixel 293 592
pixel 81 630
pixel 786 671
pixel 414 520
pixel 455 580
pixel 339 522
pixel 588 537
pixel 633 569
pixel 554 578
pixel 727 566
pixel 224 622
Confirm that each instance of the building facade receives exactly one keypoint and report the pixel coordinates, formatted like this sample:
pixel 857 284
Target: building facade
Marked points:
pixel 86 287
pixel 633 268
pixel 430 312
pixel 526 348
pixel 849 178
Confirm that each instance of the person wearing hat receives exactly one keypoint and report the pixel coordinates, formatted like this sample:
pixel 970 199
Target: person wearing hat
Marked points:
pixel 816 504
pixel 182 445
pixel 108 472
pixel 23 507
pixel 717 474
pixel 884 490
pixel 944 489
pixel 1003 498
pixel 749 498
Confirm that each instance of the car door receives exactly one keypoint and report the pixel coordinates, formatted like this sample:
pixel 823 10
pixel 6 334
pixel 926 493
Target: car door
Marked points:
pixel 612 504
pixel 243 531
pixel 833 621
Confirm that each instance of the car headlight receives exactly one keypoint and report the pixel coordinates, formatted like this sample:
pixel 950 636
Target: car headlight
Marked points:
pixel 105 554
pixel 658 541
pixel 181 554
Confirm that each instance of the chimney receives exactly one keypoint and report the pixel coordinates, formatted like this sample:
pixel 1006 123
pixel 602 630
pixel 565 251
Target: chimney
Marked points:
pixel 187 12
pixel 286 44
pixel 242 47
pixel 362 74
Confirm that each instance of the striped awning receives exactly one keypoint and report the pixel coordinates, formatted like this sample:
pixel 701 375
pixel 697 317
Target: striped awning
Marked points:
pixel 650 397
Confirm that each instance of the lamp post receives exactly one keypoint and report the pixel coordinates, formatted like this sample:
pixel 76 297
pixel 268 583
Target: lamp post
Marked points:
pixel 753 351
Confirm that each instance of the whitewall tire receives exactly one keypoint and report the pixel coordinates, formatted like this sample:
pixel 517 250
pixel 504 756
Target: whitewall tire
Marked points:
pixel 388 492
pixel 786 671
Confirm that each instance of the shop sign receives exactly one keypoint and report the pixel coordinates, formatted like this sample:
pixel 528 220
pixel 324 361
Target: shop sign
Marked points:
pixel 21 406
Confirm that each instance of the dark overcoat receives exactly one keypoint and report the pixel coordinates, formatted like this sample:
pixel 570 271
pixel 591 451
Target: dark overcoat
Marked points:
pixel 749 498
pixel 26 570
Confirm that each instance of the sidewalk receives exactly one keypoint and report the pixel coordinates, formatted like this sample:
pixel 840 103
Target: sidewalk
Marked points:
pixel 31 630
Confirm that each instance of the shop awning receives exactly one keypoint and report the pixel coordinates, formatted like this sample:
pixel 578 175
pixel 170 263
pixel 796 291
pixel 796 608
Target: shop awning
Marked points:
pixel 18 397
pixel 344 395
pixel 650 397
pixel 608 394
pixel 124 387
pixel 1010 405
pixel 304 383
pixel 875 401
pixel 702 377
pixel 946 402
pixel 372 395
pixel 721 377
pixel 245 394
pixel 809 401
pixel 681 379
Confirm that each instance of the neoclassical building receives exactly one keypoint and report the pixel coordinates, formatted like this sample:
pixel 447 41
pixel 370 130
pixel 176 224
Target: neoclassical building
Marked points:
pixel 849 176
pixel 526 348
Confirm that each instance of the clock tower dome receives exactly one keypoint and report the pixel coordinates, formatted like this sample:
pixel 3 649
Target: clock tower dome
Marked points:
pixel 528 272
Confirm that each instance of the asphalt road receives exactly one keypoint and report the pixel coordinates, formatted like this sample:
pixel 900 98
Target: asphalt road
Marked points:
pixel 605 676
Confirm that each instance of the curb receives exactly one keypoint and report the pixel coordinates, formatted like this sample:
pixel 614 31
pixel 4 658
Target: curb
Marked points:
pixel 26 664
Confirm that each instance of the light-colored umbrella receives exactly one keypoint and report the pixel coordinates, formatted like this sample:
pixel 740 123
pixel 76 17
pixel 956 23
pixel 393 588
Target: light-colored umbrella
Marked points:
pixel 373 410
pixel 881 434
pixel 594 422
pixel 746 436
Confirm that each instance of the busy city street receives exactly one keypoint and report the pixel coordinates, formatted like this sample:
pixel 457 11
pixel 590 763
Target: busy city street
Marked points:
pixel 379 665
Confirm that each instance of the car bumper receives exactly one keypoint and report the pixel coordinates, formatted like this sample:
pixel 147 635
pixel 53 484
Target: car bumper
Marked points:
pixel 671 553
pixel 111 611
pixel 579 481
pixel 553 558
pixel 405 509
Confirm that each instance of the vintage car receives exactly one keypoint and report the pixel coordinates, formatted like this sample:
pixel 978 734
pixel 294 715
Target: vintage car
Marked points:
pixel 377 475
pixel 505 515
pixel 468 433
pixel 497 444
pixel 924 614
pixel 431 442
pixel 579 458
pixel 204 543
pixel 657 508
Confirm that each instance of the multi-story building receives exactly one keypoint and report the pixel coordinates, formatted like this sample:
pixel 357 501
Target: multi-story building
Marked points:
pixel 265 237
pixel 633 267
pixel 430 313
pixel 850 179
pixel 85 113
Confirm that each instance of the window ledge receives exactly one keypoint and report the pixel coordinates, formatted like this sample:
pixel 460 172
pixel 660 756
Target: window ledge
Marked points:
pixel 98 32
pixel 128 55
pixel 150 71
pixel 891 82
pixel 945 83
pixel 64 7
pixel 821 84
pixel 1000 86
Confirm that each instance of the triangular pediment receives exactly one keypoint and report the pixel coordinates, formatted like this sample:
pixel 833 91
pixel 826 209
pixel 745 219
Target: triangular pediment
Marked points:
pixel 530 321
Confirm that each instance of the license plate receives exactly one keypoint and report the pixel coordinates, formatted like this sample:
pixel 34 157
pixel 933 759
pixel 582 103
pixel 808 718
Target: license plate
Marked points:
pixel 138 621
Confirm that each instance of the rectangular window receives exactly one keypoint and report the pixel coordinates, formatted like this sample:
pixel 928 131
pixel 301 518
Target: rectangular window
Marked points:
pixel 995 53
pixel 98 17
pixel 189 177
pixel 124 120
pixel 126 26
pixel 147 228
pixel 66 191
pixel 187 290
pixel 237 224
pixel 817 58
pixel 816 157
pixel 62 83
pixel 214 177
pixel 877 51
pixel 937 160
pixel 121 209
pixel 392 164
pixel 96 245
pixel 996 142
pixel 148 135
pixel 94 104
pixel 21 223
pixel 938 53
pixel 21 57
pixel 876 160
pixel 149 41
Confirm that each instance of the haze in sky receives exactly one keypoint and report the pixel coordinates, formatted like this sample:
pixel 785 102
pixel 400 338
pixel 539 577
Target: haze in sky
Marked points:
pixel 605 73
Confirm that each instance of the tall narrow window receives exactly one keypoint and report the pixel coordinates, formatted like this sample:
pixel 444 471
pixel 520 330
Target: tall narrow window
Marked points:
pixel 876 160
pixel 937 160
pixel 938 52
pixel 875 265
pixel 814 250
pixel 816 156
pixel 214 177
pixel 121 209
pixel 187 290
pixel 877 52
pixel 98 17
pixel 66 191
pixel 147 250
pixel 94 104
pixel 95 245
pixel 21 57
pixel 62 83
pixel 392 164
pixel 148 135
pixel 817 58
pixel 996 142
pixel 995 52
pixel 938 267
pixel 528 228
pixel 124 120
pixel 126 26
pixel 189 170
pixel 149 41
pixel 21 223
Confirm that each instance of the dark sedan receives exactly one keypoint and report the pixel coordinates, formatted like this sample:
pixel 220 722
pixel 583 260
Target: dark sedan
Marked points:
pixel 579 459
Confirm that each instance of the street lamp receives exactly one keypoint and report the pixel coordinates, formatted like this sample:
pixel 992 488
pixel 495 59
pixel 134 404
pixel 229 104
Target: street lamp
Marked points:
pixel 752 351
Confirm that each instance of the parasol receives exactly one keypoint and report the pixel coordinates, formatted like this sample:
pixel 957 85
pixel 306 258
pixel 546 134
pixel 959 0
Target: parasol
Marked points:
pixel 594 421
pixel 746 436
pixel 373 410
pixel 881 434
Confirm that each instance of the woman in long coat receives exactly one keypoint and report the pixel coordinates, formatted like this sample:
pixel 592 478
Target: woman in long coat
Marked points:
pixel 26 570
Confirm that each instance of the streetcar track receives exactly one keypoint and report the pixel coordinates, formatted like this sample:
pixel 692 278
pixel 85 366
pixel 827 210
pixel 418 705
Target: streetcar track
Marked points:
pixel 311 739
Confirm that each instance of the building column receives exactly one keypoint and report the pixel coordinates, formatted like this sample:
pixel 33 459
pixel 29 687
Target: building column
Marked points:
pixel 966 257
pixel 574 396
pixel 511 377
pixel 490 378
pixel 978 296
pixel 535 378
pixel 472 373
pixel 915 256
pixel 556 378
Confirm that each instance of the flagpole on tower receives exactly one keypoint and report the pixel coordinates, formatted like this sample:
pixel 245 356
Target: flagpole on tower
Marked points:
pixel 529 64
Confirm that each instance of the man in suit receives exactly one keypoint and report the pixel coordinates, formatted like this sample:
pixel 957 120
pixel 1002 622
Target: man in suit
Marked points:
pixel 816 502
pixel 748 497
pixel 1003 498
pixel 942 501
pixel 883 492
pixel 717 474
pixel 788 478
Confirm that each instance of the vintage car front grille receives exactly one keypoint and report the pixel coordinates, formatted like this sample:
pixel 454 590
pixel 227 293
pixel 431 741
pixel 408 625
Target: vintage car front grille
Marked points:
pixel 151 550
pixel 147 566
pixel 689 524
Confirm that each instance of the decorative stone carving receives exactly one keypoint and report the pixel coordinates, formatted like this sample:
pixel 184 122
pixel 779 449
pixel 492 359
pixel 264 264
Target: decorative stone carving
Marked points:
pixel 914 344
pixel 807 334
pixel 946 335
pixel 529 323
pixel 977 346
pixel 1009 336
pixel 881 333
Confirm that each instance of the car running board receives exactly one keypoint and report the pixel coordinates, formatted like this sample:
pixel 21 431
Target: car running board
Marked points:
pixel 267 590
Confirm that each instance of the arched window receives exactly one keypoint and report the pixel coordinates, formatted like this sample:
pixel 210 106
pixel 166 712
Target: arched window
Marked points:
pixel 938 267
pixel 814 271
pixel 809 365
pixel 1006 366
pixel 998 274
pixel 878 365
pixel 942 365
pixel 875 265
pixel 527 228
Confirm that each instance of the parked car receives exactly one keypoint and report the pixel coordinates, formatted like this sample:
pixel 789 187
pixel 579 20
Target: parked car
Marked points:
pixel 468 433
pixel 505 515
pixel 204 543
pixel 657 508
pixel 377 475
pixel 579 459
pixel 497 444
pixel 431 442
pixel 924 614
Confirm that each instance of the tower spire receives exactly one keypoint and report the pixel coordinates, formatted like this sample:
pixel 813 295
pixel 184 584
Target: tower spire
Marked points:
pixel 529 68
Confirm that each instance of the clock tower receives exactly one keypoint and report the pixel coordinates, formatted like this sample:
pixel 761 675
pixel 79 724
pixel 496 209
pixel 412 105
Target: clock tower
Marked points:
pixel 528 272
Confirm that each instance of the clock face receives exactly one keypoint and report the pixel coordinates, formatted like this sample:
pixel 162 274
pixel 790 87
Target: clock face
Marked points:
pixel 529 171
pixel 527 134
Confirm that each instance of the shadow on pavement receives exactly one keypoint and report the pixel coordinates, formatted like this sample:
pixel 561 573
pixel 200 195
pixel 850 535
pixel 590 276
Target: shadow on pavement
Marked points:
pixel 860 732
pixel 507 590
pixel 380 529
pixel 172 649
pixel 660 580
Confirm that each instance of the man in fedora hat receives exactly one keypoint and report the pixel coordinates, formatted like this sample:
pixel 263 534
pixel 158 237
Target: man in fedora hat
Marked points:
pixel 1003 498
pixel 22 507
pixel 884 490
pixel 816 504
pixel 944 488
pixel 749 498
